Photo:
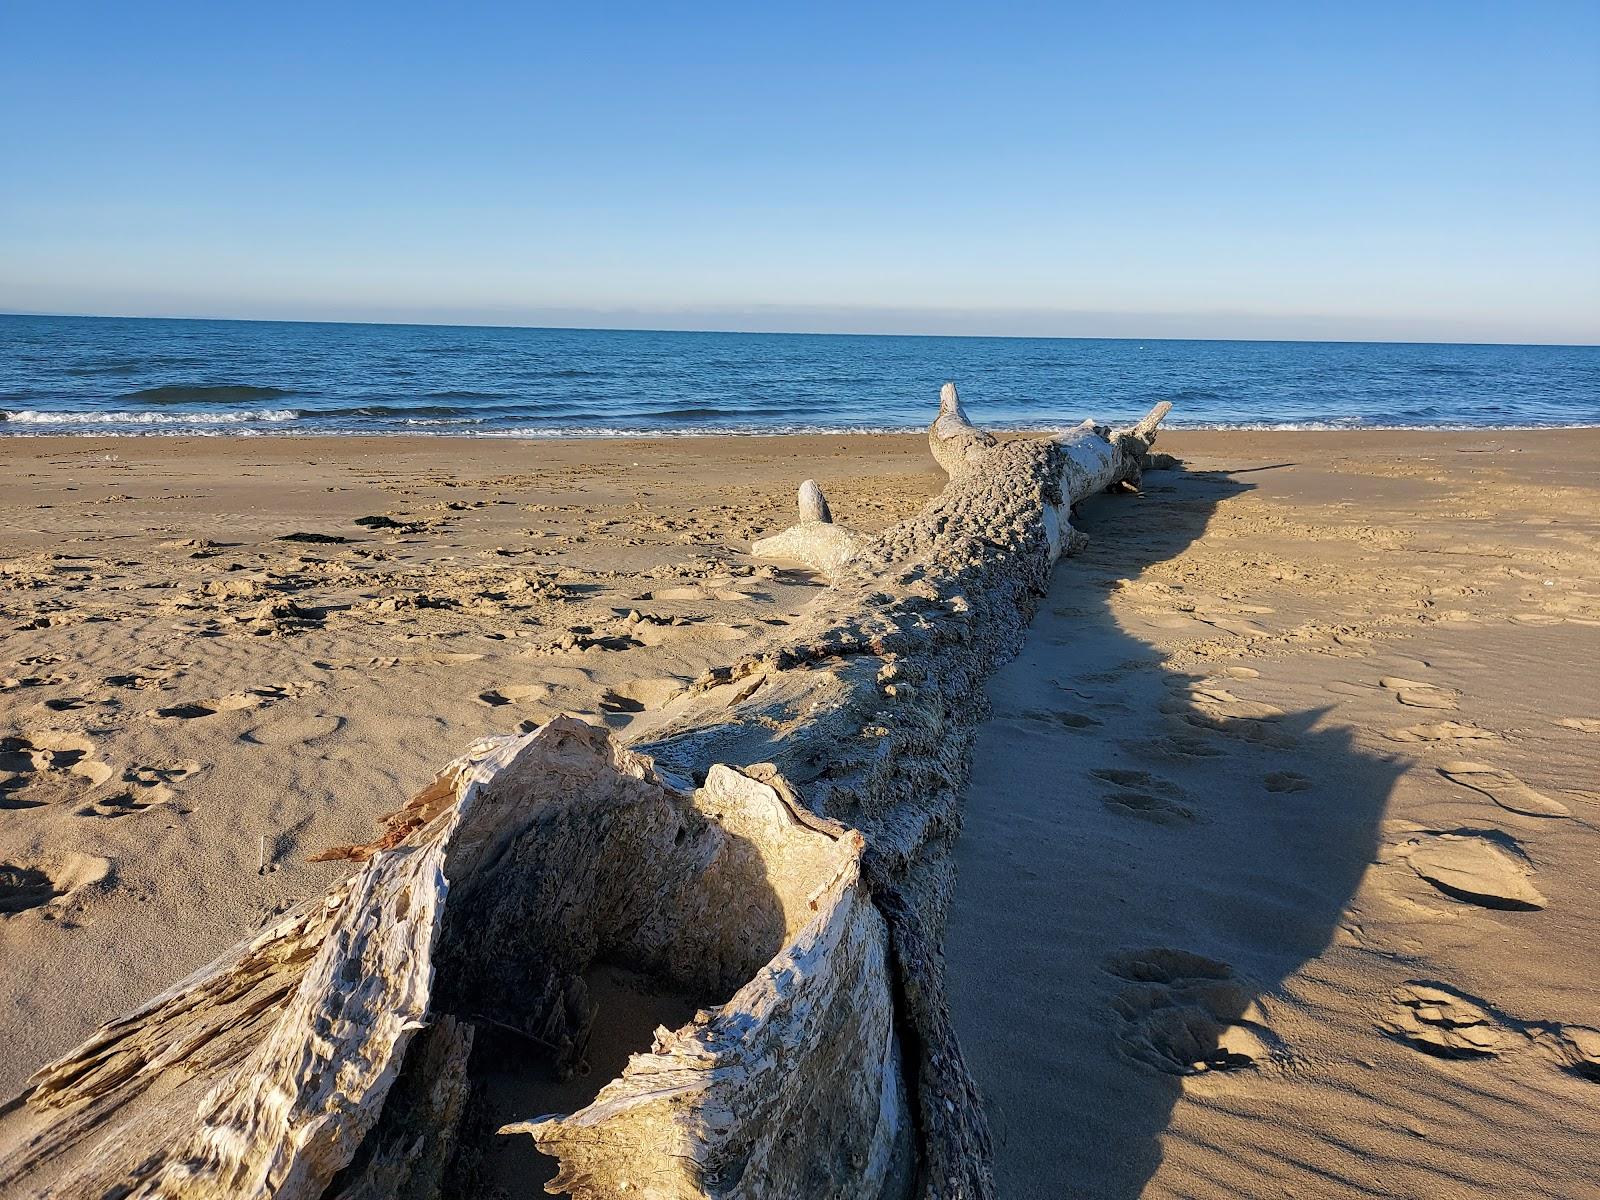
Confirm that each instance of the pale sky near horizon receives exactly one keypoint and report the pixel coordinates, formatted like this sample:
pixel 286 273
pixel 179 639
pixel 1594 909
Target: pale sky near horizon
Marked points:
pixel 1369 171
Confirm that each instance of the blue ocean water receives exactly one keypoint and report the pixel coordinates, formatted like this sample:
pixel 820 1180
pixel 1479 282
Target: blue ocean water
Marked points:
pixel 118 375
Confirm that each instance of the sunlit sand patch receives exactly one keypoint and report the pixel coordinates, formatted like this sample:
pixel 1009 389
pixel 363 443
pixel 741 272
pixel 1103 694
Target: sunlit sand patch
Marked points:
pixel 1443 731
pixel 48 882
pixel 1472 868
pixel 293 729
pixel 1504 788
pixel 1417 694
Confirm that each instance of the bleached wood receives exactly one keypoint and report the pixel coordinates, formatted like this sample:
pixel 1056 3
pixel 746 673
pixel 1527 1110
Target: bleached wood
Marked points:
pixel 808 887
pixel 813 504
pixel 957 444
pixel 815 541
pixel 867 706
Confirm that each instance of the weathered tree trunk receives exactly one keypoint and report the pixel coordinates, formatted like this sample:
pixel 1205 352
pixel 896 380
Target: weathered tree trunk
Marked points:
pixel 867 707
pixel 779 850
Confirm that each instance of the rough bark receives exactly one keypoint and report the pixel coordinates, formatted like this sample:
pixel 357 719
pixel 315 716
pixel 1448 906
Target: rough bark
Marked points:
pixel 801 890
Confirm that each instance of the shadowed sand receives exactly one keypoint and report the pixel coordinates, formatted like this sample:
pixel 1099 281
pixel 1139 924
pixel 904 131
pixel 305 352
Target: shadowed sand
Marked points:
pixel 1263 886
pixel 1230 919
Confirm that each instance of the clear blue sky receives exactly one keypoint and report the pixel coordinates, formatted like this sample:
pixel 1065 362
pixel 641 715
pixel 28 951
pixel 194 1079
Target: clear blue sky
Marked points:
pixel 1396 170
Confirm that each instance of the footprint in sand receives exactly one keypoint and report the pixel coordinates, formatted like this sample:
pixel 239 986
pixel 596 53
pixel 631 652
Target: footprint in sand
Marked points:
pixel 1063 717
pixel 133 680
pixel 513 694
pixel 141 788
pixel 256 697
pixel 1125 777
pixel 651 634
pixel 1231 624
pixel 1446 1022
pixel 14 683
pixel 1443 731
pixel 23 888
pixel 42 768
pixel 33 885
pixel 1146 807
pixel 1537 618
pixel 1186 745
pixel 1145 796
pixel 1439 1020
pixel 245 701
pixel 1207 706
pixel 1340 687
pixel 1576 1048
pixel 1286 781
pixel 290 730
pixel 1186 1014
pixel 1418 695
pixel 1504 788
pixel 68 703
pixel 182 712
pixel 638 695
pixel 1471 867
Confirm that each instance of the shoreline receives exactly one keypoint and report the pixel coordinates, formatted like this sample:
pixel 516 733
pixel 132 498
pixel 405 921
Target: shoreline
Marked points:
pixel 628 435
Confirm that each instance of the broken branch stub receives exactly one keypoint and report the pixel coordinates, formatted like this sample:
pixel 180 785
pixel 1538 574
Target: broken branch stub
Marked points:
pixel 957 444
pixel 815 542
pixel 796 896
pixel 813 504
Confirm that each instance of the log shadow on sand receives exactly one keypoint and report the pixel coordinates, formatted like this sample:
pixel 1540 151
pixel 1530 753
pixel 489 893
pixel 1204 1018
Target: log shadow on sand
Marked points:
pixel 1131 884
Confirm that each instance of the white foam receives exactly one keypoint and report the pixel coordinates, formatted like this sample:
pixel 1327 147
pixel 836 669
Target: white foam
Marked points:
pixel 254 422
pixel 30 416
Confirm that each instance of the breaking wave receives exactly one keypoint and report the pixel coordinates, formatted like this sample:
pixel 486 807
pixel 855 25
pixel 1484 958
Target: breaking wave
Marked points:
pixel 29 416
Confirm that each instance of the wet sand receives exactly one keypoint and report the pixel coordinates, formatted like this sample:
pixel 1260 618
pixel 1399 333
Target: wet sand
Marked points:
pixel 1232 917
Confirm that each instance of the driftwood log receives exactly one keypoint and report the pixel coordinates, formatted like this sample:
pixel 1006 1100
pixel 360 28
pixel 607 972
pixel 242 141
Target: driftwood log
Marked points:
pixel 778 853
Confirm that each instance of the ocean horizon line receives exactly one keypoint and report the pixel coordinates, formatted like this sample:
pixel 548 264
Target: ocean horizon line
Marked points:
pixel 668 330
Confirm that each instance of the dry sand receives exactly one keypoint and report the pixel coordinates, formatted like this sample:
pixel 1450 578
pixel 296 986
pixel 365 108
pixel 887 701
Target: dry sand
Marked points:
pixel 1233 919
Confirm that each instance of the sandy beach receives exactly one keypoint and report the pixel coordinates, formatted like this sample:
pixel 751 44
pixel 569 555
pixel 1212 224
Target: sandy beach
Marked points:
pixel 1277 868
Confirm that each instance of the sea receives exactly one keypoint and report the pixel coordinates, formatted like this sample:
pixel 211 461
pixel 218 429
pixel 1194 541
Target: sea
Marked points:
pixel 102 375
